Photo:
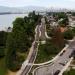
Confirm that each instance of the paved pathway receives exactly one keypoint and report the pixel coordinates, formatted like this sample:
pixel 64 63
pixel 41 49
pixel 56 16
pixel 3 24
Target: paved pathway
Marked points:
pixel 57 64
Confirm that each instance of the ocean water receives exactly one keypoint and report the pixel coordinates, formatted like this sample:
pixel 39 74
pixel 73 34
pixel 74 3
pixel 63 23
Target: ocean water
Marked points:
pixel 7 19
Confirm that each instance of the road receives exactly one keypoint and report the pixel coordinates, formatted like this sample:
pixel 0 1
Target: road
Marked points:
pixel 33 54
pixel 50 69
pixel 39 29
pixel 42 29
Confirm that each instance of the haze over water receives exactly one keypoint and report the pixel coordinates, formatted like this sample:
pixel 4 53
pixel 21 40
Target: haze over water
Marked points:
pixel 6 20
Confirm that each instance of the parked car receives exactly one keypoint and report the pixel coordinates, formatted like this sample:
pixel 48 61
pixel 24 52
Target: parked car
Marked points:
pixel 62 53
pixel 63 63
pixel 57 72
pixel 72 54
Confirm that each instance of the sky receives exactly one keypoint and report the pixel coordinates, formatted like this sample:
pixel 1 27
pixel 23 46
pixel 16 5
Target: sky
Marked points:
pixel 43 3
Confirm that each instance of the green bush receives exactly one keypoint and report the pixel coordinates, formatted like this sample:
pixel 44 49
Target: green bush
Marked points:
pixel 46 52
pixel 2 51
pixel 14 61
pixel 68 34
pixel 3 68
pixel 3 37
pixel 20 40
pixel 71 72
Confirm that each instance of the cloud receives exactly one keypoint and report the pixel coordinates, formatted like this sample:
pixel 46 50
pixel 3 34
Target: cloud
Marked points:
pixel 26 1
pixel 44 3
pixel 14 3
pixel 70 0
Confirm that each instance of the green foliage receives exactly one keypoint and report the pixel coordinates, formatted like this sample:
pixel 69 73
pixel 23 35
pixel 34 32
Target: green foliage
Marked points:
pixel 2 51
pixel 64 22
pixel 46 52
pixel 50 48
pixel 71 72
pixel 20 40
pixel 68 34
pixel 50 32
pixel 58 16
pixel 14 62
pixel 3 37
pixel 57 38
pixel 63 16
pixel 73 30
pixel 73 13
pixel 3 68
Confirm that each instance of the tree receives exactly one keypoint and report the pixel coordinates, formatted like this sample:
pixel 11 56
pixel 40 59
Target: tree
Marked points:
pixel 13 60
pixel 73 13
pixel 17 41
pixel 64 22
pixel 68 34
pixel 26 19
pixel 61 15
pixel 20 40
pixel 64 18
pixel 19 36
pixel 2 52
pixel 57 38
pixel 3 37
pixel 22 33
pixel 50 48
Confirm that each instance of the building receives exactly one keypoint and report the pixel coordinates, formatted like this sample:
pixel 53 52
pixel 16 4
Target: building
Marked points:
pixel 71 21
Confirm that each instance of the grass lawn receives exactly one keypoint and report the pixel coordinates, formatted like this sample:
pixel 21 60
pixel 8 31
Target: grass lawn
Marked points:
pixel 46 52
pixel 11 73
pixel 43 55
pixel 71 72
pixel 3 69
pixel 49 30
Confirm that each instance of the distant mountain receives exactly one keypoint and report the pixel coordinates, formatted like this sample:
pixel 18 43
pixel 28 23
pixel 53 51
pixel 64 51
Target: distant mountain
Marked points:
pixel 8 9
pixel 30 8
pixel 21 9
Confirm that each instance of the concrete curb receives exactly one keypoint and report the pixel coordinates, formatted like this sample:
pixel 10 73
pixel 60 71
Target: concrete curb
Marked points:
pixel 45 64
pixel 25 63
pixel 65 68
pixel 47 36
pixel 40 64
pixel 33 61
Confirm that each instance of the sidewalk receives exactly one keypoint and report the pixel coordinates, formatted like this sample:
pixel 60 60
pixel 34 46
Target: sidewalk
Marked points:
pixel 65 48
pixel 26 62
pixel 67 65
pixel 40 64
